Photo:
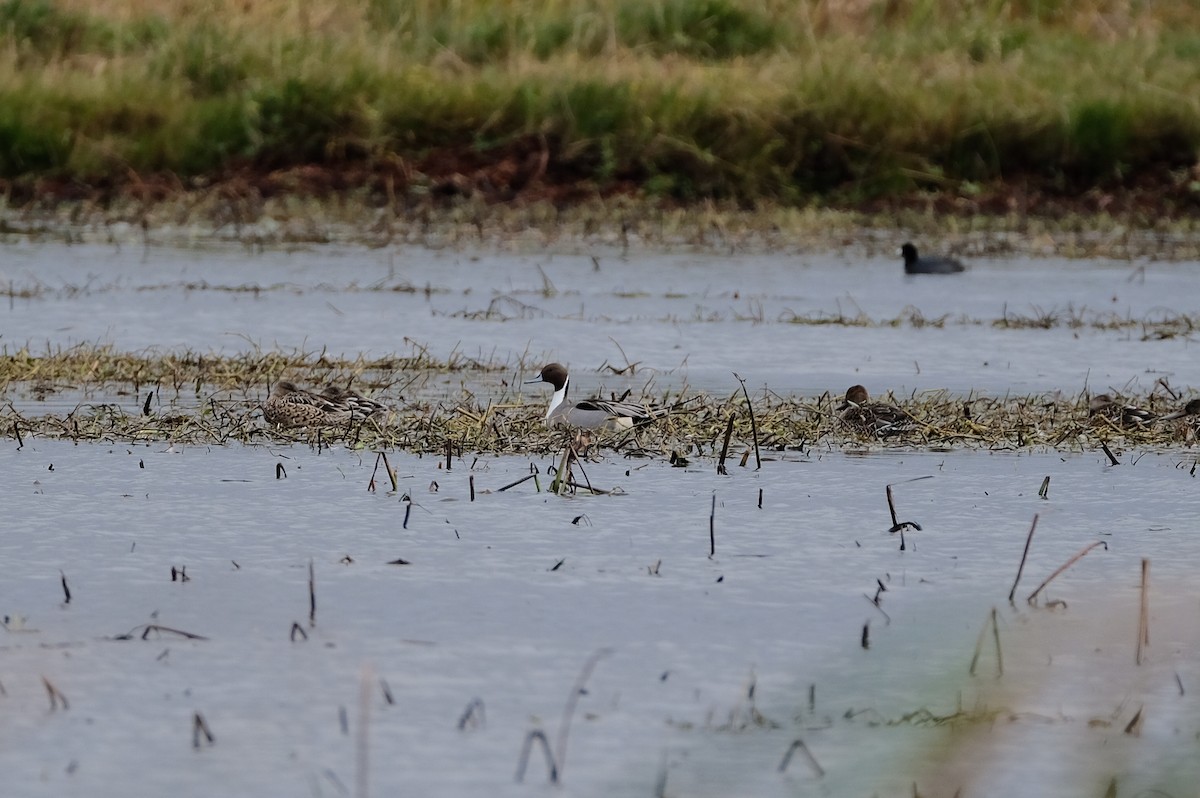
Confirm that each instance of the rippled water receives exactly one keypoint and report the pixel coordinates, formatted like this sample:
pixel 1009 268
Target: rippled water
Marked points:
pixel 692 318
pixel 504 598
pixel 715 665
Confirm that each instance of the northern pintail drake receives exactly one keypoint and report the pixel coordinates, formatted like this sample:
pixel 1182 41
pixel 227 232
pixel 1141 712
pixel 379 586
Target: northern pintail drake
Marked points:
pixel 289 406
pixel 597 414
pixel 1104 406
pixel 914 264
pixel 858 412
pixel 1192 408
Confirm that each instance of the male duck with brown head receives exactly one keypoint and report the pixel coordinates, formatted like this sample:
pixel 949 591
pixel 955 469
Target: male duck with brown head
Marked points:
pixel 597 414
pixel 1123 415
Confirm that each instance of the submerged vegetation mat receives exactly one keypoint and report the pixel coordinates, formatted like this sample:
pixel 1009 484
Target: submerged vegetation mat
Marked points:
pixel 465 406
pixel 998 107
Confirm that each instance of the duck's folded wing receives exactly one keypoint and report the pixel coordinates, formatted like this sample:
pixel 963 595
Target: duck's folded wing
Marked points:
pixel 639 411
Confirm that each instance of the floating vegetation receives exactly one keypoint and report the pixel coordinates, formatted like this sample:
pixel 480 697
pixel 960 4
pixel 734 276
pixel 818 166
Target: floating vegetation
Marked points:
pixel 105 395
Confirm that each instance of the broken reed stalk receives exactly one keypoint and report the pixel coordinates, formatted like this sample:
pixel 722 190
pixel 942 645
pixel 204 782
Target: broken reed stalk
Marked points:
pixel 798 745
pixel 564 727
pixel 537 735
pixel 56 696
pixel 154 627
pixel 312 595
pixel 525 478
pixel 471 482
pixel 199 728
pixel 892 508
pixel 1134 727
pixel 1111 457
pixel 1143 638
pixel 1065 566
pixel 897 524
pixel 712 528
pixel 473 715
pixel 1024 554
pixel 281 472
pixel 1044 490
pixel 992 621
pixel 66 590
pixel 559 485
pixel 753 422
pixel 725 447
pixel 391 472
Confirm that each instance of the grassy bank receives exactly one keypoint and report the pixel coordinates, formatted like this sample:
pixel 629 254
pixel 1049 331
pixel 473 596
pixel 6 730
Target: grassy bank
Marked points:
pixel 750 100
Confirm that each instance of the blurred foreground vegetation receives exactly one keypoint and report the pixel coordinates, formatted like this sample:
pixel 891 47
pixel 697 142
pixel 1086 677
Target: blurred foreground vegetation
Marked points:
pixel 747 100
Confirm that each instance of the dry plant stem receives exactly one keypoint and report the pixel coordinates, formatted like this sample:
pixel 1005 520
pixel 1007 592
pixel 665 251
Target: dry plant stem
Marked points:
pixel 753 422
pixel 798 745
pixel 1065 566
pixel 200 729
pixel 66 590
pixel 1134 727
pixel 1143 634
pixel 1112 458
pixel 56 696
pixel 1024 554
pixel 992 621
pixel 390 472
pixel 725 448
pixel 154 627
pixel 712 528
pixel 537 735
pixel 371 481
pixel 473 715
pixel 525 478
pixel 569 710
pixel 892 508
pixel 312 595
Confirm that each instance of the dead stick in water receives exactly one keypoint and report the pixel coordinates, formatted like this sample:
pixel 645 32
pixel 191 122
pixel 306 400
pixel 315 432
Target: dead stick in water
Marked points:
pixel 66 590
pixel 391 474
pixel 537 735
pixel 56 696
pixel 1111 457
pixel 798 744
pixel 1065 566
pixel 312 595
pixel 200 727
pixel 560 758
pixel 525 478
pixel 725 448
pixel 712 527
pixel 979 645
pixel 1144 612
pixel 753 423
pixel 1024 554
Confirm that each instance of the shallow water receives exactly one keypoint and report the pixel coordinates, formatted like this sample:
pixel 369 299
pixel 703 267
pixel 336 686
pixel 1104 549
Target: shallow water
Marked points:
pixel 482 611
pixel 717 664
pixel 693 318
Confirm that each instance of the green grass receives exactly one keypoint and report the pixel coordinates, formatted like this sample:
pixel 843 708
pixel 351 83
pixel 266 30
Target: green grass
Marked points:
pixel 748 100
